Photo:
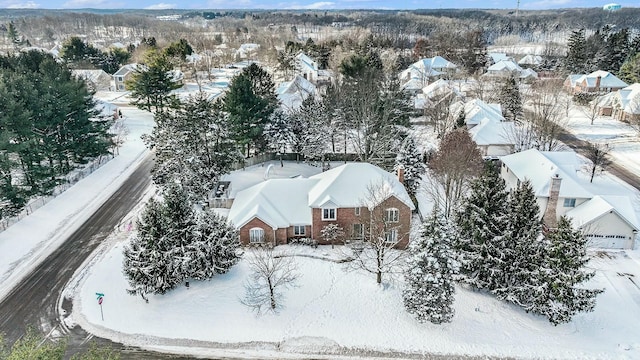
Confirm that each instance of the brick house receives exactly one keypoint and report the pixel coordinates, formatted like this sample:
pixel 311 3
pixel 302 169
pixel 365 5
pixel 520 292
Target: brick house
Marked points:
pixel 364 200
pixel 597 81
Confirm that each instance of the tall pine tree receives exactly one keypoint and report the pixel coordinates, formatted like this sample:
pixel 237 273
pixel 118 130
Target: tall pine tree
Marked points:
pixel 429 284
pixel 561 294
pixel 481 223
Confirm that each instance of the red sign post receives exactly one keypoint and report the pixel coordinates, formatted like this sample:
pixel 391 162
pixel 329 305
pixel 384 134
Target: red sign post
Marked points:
pixel 100 297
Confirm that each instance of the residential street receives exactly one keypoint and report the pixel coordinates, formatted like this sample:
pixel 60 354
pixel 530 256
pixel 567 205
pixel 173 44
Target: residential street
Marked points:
pixel 35 302
pixel 580 146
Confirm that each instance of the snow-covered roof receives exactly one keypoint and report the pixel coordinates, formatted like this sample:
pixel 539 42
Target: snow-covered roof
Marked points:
pixel 90 74
pixel 491 132
pixel 506 65
pixel 347 185
pixel 427 67
pixel 540 166
pixel 607 80
pixel 279 203
pixel 292 93
pixel 497 57
pixel 125 69
pixel 573 79
pixel 605 100
pixel 282 203
pixel 413 84
pixel 528 74
pixel 530 60
pixel 306 63
pixel 629 98
pixel 589 211
pixel 245 49
pixel 440 87
pixel 476 110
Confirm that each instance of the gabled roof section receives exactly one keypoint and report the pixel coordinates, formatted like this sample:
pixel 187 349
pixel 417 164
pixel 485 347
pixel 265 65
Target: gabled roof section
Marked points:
pixel 440 87
pixel 607 80
pixel 528 74
pixel 278 202
pixel 530 60
pixel 497 57
pixel 598 206
pixel 348 185
pixel 540 166
pixel 476 110
pixel 507 65
pixel 490 132
pixel 629 98
pixel 292 93
pixel 306 62
pixel 125 69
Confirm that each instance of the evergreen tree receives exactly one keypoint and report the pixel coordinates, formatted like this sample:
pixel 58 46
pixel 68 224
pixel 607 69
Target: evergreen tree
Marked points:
pixel 576 58
pixel 560 295
pixel 152 82
pixel 510 99
pixel 481 223
pixel 193 146
pixel 630 69
pixel 410 159
pixel 523 252
pixel 278 133
pixel 250 101
pixel 429 285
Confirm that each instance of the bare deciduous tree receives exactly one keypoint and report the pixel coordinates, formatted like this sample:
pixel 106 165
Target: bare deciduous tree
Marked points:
pixel 383 233
pixel 452 168
pixel 599 156
pixel 543 112
pixel 271 274
pixel 439 114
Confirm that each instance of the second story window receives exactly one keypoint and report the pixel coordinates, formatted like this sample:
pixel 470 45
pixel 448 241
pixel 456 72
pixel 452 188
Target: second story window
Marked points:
pixel 328 214
pixel 357 211
pixel 569 202
pixel 392 215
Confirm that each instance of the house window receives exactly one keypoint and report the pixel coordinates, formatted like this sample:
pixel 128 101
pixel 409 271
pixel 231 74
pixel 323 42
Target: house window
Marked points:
pixel 569 202
pixel 256 235
pixel 119 78
pixel 121 87
pixel 298 230
pixel 392 215
pixel 357 211
pixel 358 231
pixel 328 214
pixel 391 236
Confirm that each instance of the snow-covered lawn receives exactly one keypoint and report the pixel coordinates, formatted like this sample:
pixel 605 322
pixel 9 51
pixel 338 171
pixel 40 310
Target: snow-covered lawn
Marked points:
pixel 622 138
pixel 333 311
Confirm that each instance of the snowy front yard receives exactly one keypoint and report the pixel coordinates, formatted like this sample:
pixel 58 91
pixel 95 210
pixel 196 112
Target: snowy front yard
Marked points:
pixel 332 311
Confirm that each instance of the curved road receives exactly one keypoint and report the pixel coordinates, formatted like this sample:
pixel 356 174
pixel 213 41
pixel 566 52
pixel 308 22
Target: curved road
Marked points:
pixel 34 303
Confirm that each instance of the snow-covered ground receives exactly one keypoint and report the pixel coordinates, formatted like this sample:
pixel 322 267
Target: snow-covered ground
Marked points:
pixel 28 242
pixel 332 312
pixel 622 138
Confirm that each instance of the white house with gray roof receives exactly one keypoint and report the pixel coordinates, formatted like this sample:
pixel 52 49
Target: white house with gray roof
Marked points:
pixel 608 221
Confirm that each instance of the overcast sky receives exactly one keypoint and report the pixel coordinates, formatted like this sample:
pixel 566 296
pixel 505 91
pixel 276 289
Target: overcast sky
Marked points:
pixel 302 4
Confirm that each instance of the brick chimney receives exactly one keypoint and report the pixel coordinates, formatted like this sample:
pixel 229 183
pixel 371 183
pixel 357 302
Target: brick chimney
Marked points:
pixel 598 79
pixel 550 219
pixel 401 174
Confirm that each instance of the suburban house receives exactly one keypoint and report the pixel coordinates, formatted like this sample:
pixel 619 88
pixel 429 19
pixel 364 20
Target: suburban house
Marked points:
pixel 359 197
pixel 122 75
pixel 426 69
pixel 495 57
pixel 292 93
pixel 597 81
pixel 95 79
pixel 247 51
pixel 608 221
pixel 530 60
pixel 307 67
pixel 503 68
pixel 434 92
pixel 494 136
pixel 626 103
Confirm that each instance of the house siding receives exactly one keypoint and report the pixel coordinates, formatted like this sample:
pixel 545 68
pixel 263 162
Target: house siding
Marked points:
pixel 346 218
pixel 256 223
pixel 609 231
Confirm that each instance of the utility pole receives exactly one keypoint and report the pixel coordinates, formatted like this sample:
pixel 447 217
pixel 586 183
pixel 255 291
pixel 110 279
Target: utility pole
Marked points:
pixel 517 8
